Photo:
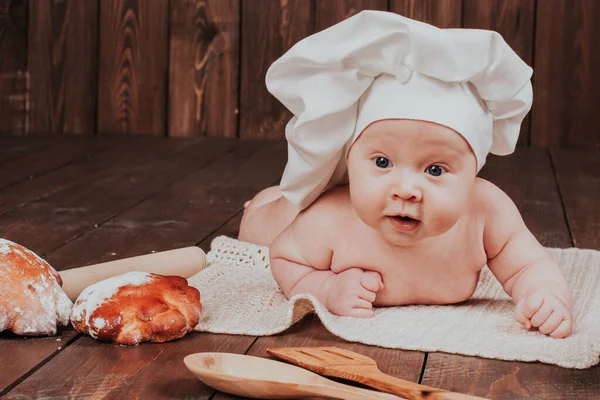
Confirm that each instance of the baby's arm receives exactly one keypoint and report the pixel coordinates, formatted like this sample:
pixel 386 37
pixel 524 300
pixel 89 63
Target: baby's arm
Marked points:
pixel 525 269
pixel 301 258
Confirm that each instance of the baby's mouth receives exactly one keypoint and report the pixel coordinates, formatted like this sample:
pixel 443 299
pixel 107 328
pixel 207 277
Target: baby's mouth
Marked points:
pixel 405 223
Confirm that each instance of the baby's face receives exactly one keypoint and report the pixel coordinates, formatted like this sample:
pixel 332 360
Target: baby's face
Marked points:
pixel 410 180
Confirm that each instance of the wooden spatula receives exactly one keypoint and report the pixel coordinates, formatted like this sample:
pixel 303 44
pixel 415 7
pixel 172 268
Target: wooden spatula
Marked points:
pixel 346 364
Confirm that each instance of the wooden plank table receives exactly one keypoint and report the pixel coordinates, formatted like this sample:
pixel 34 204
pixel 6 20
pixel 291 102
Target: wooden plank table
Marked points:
pixel 83 200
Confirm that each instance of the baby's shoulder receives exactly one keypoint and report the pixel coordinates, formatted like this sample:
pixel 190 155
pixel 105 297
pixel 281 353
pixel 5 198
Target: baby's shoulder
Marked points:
pixel 500 214
pixel 312 234
pixel 324 214
pixel 490 199
pixel 333 203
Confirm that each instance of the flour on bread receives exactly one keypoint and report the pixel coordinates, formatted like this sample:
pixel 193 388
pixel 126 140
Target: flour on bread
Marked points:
pixel 137 307
pixel 96 294
pixel 32 301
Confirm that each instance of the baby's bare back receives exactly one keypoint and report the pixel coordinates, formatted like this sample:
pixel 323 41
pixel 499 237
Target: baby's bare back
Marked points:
pixel 266 216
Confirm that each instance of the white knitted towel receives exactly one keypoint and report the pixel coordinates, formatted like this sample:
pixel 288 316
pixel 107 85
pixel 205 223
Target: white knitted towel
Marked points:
pixel 240 296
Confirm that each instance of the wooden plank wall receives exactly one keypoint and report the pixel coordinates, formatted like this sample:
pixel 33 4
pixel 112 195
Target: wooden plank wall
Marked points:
pixel 197 67
pixel 13 66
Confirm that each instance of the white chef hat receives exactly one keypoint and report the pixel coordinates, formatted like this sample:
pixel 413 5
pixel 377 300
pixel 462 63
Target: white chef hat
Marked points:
pixel 379 65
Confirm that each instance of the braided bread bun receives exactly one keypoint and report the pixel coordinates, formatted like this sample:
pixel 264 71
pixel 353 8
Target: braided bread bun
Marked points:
pixel 137 306
pixel 32 302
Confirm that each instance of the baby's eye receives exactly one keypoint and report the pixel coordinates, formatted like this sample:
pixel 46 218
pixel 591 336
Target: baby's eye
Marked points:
pixel 382 162
pixel 436 170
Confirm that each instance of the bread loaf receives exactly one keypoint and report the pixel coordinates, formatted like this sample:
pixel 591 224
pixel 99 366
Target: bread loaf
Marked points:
pixel 137 306
pixel 32 302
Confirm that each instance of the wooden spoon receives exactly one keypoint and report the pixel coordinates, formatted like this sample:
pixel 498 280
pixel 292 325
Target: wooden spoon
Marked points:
pixel 258 377
pixel 345 364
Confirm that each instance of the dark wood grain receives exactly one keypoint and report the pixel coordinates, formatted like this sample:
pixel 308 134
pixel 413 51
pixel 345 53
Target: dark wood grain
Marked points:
pixel 128 152
pixel 230 228
pixel 133 66
pixel 74 211
pixel 514 20
pixel 57 155
pixel 18 355
pixel 186 212
pixel 63 64
pixel 527 177
pixel 90 369
pixel 441 13
pixel 204 67
pixel 329 13
pixel 13 66
pixel 269 29
pixel 579 184
pixel 503 380
pixel 566 82
pixel 13 146
pixel 311 332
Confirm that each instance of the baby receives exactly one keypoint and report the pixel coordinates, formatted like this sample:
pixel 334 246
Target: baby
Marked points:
pixel 380 204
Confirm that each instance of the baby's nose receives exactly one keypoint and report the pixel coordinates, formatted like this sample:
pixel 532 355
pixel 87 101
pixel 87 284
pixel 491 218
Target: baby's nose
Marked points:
pixel 407 190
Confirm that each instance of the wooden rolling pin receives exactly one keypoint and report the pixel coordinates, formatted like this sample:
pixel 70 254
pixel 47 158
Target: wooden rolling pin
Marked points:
pixel 183 262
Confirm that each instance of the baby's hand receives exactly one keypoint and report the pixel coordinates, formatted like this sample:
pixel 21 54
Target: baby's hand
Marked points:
pixel 353 292
pixel 547 312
